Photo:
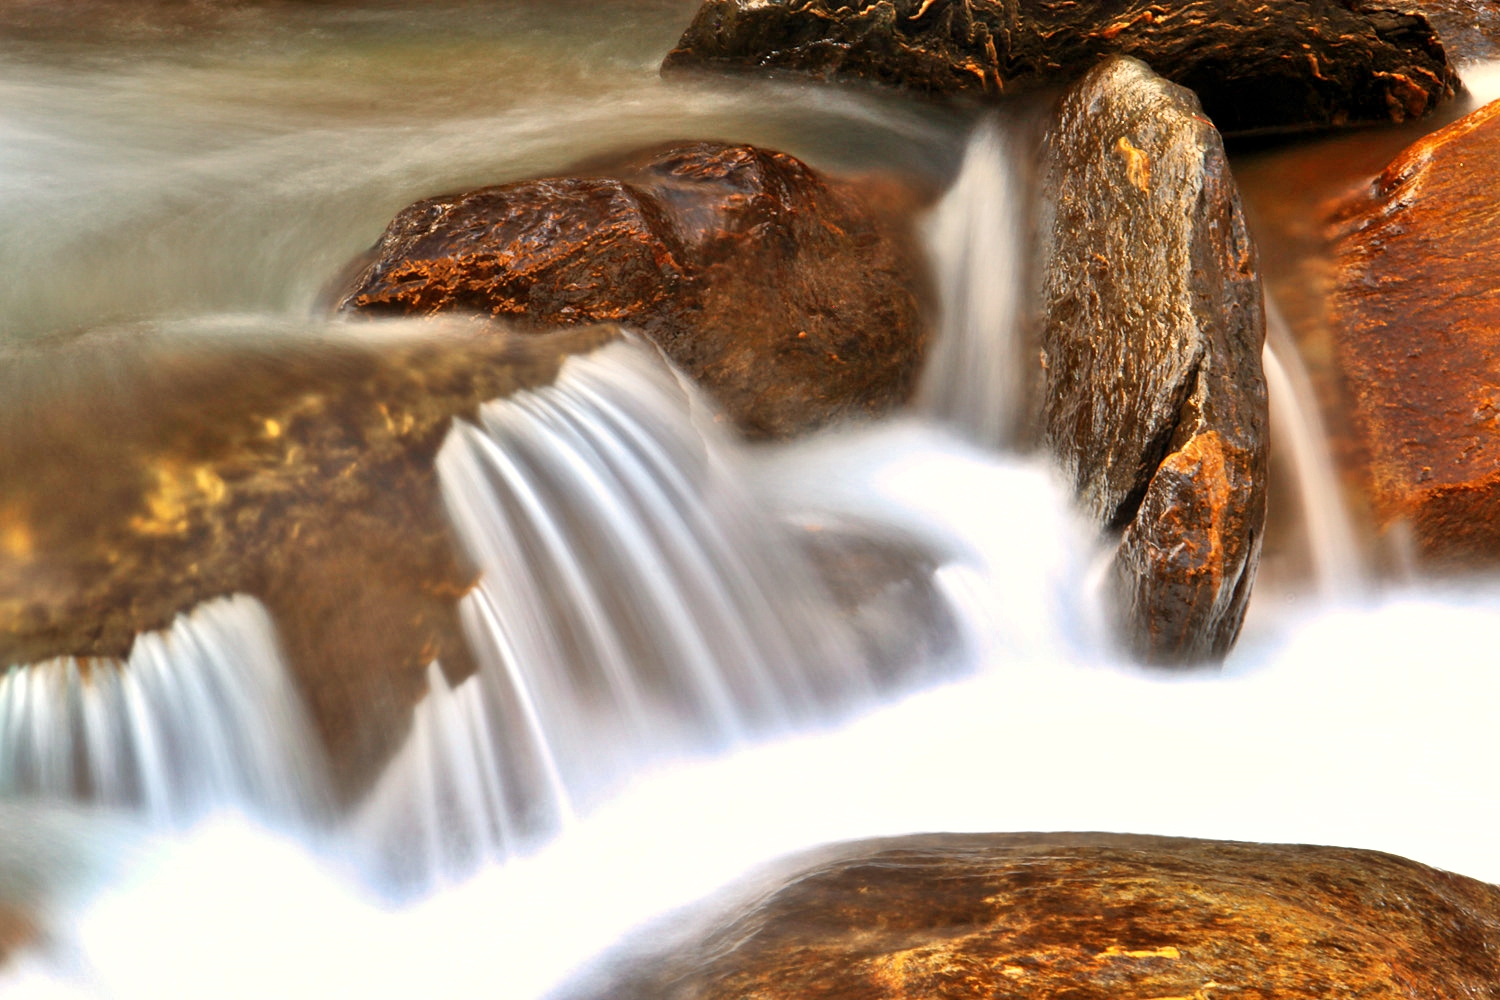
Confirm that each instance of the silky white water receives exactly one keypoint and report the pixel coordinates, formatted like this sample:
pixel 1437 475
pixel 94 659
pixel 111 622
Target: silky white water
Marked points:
pixel 635 605
pixel 664 698
pixel 199 718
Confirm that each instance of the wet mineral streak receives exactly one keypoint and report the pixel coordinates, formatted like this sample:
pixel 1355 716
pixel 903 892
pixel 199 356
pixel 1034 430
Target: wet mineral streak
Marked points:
pixel 1084 917
pixel 1153 398
pixel 1256 66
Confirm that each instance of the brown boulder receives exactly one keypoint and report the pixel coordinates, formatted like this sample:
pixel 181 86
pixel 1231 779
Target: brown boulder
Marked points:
pixel 1414 309
pixel 1086 917
pixel 1153 398
pixel 301 475
pixel 793 298
pixel 1301 64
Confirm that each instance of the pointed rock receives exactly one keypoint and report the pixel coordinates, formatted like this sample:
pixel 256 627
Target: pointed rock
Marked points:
pixel 1153 398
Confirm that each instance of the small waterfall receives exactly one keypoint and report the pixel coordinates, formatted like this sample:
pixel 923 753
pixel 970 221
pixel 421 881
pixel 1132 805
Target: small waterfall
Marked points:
pixel 199 717
pixel 974 374
pixel 1297 426
pixel 635 606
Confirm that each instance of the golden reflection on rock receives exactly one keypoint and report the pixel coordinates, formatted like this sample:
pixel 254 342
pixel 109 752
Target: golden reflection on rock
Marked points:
pixel 300 474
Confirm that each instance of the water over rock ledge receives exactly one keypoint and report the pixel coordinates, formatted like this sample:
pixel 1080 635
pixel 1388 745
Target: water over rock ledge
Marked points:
pixel 301 474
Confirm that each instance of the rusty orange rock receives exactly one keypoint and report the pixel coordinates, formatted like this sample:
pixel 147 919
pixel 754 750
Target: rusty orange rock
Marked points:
pixel 1414 309
pixel 1082 917
pixel 795 299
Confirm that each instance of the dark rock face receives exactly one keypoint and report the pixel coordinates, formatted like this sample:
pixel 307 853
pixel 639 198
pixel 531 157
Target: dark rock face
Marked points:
pixel 303 478
pixel 1154 401
pixel 1414 310
pixel 1301 64
pixel 793 298
pixel 1089 917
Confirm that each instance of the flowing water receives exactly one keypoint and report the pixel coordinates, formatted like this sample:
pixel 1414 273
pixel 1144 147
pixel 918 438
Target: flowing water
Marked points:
pixel 665 696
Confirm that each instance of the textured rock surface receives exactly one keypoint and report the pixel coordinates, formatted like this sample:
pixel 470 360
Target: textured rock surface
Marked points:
pixel 1154 401
pixel 1468 29
pixel 1414 309
pixel 303 478
pixel 1090 917
pixel 1301 63
pixel 791 297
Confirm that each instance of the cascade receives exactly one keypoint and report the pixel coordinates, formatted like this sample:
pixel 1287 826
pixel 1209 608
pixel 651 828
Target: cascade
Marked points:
pixel 200 717
pixel 972 378
pixel 665 695
pixel 1297 426
pixel 635 605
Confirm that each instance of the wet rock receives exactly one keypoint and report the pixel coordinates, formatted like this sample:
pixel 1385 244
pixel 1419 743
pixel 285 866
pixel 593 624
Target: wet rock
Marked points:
pixel 1308 64
pixel 792 297
pixel 1414 310
pixel 1084 916
pixel 1468 29
pixel 300 473
pixel 1153 398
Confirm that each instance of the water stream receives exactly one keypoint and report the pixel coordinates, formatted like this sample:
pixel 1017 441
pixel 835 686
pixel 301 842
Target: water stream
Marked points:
pixel 666 694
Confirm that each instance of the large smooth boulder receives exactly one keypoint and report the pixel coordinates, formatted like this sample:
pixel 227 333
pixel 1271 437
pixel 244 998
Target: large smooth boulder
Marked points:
pixel 1085 917
pixel 1299 64
pixel 793 298
pixel 1414 311
pixel 142 478
pixel 1152 323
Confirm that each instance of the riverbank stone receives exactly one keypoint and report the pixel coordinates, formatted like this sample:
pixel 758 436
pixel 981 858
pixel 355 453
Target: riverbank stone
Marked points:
pixel 1152 323
pixel 794 298
pixel 298 472
pixel 1414 311
pixel 1303 64
pixel 1089 916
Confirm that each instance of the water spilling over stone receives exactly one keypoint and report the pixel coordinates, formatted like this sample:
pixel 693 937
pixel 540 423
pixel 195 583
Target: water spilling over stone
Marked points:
pixel 974 374
pixel 200 717
pixel 635 604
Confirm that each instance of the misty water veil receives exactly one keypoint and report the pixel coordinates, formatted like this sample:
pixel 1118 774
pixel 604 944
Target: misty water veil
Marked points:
pixel 665 693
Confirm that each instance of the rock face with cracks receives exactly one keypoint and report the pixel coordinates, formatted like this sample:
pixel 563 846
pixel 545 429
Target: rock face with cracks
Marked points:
pixel 1153 398
pixel 298 473
pixel 1414 310
pixel 794 299
pixel 1297 64
pixel 1085 917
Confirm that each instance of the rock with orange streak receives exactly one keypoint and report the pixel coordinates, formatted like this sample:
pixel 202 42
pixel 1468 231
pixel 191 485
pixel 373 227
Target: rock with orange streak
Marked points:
pixel 1414 308
pixel 1152 395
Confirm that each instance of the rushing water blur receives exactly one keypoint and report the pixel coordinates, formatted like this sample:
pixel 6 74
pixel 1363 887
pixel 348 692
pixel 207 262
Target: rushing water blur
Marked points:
pixel 213 168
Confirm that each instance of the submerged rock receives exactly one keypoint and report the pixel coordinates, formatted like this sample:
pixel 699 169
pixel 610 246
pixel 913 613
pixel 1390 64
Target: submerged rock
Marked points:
pixel 1153 398
pixel 1414 311
pixel 1314 63
pixel 140 480
pixel 1084 916
pixel 792 297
